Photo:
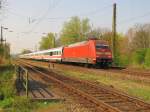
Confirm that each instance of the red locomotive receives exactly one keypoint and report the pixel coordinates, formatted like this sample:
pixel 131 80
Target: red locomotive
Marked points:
pixel 91 52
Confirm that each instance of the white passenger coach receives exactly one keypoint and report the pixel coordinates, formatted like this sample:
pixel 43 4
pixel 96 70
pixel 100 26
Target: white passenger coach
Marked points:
pixel 54 54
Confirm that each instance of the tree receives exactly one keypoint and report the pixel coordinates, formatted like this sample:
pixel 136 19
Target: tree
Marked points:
pixel 2 3
pixel 139 37
pixel 102 34
pixel 147 58
pixel 47 42
pixel 25 51
pixel 4 52
pixel 139 44
pixel 74 30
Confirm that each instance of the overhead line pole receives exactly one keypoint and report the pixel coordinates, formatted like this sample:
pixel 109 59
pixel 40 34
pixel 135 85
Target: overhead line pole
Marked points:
pixel 1 35
pixel 114 31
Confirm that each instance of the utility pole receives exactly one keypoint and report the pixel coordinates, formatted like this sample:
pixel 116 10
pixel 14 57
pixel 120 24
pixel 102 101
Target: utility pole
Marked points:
pixel 1 35
pixel 0 4
pixel 54 42
pixel 114 31
pixel 1 40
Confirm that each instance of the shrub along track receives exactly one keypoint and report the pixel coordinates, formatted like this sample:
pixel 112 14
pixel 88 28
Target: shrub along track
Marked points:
pixel 99 98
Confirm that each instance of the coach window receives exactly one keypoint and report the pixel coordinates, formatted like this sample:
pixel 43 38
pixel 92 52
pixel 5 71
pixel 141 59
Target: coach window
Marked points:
pixel 50 53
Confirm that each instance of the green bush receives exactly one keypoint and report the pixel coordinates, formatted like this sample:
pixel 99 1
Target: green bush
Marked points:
pixel 123 60
pixel 6 73
pixel 147 58
pixel 6 103
pixel 138 57
pixel 7 89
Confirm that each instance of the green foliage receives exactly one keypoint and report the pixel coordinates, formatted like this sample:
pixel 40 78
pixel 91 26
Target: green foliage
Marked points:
pixel 117 58
pixel 1 49
pixel 74 31
pixel 6 86
pixel 139 36
pixel 147 58
pixel 138 57
pixel 7 72
pixel 47 42
pixel 4 53
pixel 7 103
pixel 10 102
pixel 122 60
pixel 7 89
pixel 25 51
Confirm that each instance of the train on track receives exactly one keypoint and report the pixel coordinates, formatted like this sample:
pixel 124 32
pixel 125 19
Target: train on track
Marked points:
pixel 90 52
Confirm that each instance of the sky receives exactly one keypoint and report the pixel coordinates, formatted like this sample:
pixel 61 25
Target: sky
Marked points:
pixel 28 20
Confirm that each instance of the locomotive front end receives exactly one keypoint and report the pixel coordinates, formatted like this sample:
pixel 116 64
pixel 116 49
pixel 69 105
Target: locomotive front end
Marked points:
pixel 103 53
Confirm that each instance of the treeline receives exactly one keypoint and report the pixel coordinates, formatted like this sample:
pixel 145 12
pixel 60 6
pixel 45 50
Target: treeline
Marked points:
pixel 132 47
pixel 4 53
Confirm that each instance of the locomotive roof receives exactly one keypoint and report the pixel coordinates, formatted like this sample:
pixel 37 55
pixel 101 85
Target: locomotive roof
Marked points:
pixel 45 51
pixel 77 44
pixel 84 42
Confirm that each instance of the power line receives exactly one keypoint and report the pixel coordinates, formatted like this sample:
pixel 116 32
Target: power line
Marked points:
pixel 16 14
pixel 42 18
pixel 99 10
pixel 134 18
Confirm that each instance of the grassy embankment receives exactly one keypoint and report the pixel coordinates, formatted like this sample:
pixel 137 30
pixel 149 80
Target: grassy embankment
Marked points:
pixel 134 87
pixel 9 101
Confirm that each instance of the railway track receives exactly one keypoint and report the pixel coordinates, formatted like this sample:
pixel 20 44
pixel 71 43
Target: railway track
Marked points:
pixel 121 70
pixel 98 98
pixel 78 95
pixel 131 72
pixel 136 73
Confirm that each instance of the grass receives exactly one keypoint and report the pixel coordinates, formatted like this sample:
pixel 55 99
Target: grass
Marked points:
pixel 130 86
pixel 13 103
pixel 53 106
pixel 7 90
pixel 134 86
pixel 10 102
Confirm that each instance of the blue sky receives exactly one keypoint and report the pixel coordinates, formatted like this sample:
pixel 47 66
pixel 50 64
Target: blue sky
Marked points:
pixel 49 16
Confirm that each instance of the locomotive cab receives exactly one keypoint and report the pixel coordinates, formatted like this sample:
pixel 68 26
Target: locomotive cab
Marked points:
pixel 103 53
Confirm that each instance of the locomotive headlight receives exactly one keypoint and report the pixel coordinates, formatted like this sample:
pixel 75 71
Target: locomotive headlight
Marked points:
pixel 100 53
pixel 107 53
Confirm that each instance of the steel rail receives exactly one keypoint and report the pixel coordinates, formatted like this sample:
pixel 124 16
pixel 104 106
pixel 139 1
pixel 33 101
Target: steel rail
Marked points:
pixel 139 105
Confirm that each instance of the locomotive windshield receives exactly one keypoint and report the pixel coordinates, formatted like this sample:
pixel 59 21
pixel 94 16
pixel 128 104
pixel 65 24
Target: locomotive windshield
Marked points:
pixel 100 46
